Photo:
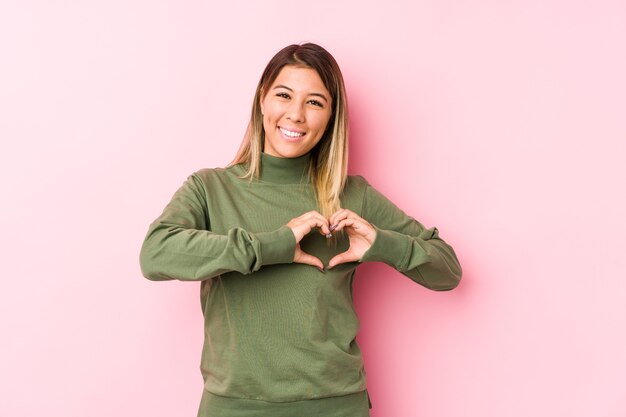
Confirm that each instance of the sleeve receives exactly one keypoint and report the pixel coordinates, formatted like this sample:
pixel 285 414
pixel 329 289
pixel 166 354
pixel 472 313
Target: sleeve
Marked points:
pixel 405 244
pixel 179 243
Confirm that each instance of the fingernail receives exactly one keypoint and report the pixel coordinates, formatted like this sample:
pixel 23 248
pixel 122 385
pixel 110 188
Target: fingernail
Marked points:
pixel 333 227
pixel 321 269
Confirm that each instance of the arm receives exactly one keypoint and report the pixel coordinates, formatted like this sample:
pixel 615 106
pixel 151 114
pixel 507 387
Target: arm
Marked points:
pixel 405 244
pixel 180 245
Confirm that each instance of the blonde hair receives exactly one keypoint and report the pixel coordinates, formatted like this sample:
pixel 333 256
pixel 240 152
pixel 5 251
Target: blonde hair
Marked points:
pixel 328 165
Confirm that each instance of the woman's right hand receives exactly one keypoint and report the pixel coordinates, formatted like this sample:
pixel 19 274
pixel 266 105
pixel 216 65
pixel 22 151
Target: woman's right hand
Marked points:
pixel 301 226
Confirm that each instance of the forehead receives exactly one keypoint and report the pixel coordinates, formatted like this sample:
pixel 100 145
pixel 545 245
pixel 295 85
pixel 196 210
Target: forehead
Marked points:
pixel 300 79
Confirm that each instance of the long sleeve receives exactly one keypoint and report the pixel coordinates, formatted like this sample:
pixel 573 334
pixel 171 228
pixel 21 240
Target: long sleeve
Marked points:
pixel 180 245
pixel 405 244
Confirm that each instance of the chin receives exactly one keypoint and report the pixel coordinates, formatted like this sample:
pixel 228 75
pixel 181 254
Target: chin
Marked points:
pixel 292 153
pixel 288 151
pixel 282 148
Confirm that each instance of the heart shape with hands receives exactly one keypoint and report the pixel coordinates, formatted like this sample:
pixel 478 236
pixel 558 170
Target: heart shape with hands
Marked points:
pixel 361 235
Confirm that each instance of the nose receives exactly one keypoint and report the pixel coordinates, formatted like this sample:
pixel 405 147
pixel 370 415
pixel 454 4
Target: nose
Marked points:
pixel 295 112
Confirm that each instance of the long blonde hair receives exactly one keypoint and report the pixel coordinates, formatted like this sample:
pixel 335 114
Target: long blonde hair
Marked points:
pixel 328 166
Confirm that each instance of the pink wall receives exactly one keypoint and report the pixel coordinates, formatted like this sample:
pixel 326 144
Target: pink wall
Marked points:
pixel 501 123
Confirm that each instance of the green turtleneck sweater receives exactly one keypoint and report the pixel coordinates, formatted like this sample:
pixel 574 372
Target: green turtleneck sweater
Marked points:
pixel 280 336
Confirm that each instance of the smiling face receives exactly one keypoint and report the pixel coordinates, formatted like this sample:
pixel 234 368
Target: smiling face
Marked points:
pixel 296 110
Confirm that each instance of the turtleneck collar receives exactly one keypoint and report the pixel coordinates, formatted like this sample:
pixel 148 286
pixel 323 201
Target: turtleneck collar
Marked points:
pixel 284 170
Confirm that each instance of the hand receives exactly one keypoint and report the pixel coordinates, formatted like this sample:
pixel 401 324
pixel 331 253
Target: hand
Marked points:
pixel 361 235
pixel 301 226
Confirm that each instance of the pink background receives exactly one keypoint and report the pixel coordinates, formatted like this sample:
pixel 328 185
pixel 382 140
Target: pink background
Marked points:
pixel 501 123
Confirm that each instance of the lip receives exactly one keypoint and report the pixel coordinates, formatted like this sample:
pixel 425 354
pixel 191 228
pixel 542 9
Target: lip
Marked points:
pixel 291 129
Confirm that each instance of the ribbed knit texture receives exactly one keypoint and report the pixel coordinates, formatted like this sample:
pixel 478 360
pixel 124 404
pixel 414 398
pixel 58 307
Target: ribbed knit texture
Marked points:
pixel 277 331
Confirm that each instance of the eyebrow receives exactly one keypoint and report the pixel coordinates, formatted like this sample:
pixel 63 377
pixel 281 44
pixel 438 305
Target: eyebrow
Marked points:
pixel 311 94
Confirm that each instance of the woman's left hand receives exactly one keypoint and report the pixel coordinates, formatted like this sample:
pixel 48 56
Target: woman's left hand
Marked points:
pixel 360 233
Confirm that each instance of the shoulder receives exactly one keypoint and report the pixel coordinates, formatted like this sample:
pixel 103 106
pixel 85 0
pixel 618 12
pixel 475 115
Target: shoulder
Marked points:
pixel 206 181
pixel 354 193
pixel 357 182
pixel 371 199
pixel 209 176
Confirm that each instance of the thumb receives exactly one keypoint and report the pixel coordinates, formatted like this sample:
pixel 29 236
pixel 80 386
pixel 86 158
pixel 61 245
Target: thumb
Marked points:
pixel 340 259
pixel 307 259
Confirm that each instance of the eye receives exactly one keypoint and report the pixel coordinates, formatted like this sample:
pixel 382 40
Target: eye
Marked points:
pixel 283 95
pixel 316 103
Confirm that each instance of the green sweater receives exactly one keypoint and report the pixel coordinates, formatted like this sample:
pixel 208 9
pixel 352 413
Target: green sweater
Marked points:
pixel 280 334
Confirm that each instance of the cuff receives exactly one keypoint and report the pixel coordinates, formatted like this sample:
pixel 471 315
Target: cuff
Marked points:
pixel 389 247
pixel 277 247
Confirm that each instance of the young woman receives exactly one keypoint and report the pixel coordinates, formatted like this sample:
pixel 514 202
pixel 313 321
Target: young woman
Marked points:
pixel 275 239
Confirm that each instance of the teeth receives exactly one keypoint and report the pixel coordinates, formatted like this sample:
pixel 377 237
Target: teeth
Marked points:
pixel 290 133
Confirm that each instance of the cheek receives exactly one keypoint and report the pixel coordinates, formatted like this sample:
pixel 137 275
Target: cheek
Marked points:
pixel 323 122
pixel 266 124
pixel 269 115
pixel 266 118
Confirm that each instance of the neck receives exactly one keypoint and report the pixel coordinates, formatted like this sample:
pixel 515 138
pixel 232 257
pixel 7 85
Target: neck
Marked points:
pixel 285 170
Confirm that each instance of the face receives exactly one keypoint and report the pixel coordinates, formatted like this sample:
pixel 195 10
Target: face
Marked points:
pixel 296 110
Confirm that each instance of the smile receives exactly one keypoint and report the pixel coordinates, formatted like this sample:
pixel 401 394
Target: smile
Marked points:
pixel 291 134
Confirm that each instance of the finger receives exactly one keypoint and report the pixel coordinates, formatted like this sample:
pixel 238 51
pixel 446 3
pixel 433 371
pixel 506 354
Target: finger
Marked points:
pixel 304 224
pixel 338 216
pixel 308 216
pixel 360 228
pixel 345 223
pixel 322 225
pixel 314 215
pixel 340 259
pixel 342 215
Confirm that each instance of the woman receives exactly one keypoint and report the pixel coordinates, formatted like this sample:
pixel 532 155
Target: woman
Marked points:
pixel 275 239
